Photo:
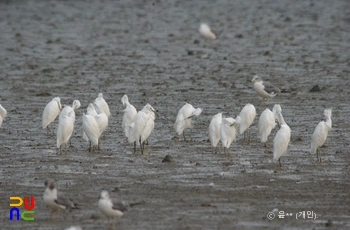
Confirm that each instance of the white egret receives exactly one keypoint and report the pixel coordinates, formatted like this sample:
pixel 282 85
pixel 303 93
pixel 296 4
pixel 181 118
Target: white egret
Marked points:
pixel 67 109
pixel 112 209
pixel 129 113
pixel 89 111
pixel 214 131
pixel 102 121
pixel 51 111
pixel 65 129
pixel 101 105
pixel 3 113
pixel 267 122
pixel 281 140
pixel 247 116
pixel 141 126
pixel 228 130
pixel 263 89
pixel 206 32
pixel 55 200
pixel 184 117
pixel 91 129
pixel 320 134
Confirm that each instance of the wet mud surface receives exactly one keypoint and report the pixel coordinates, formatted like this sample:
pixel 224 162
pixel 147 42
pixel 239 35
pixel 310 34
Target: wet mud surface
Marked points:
pixel 152 52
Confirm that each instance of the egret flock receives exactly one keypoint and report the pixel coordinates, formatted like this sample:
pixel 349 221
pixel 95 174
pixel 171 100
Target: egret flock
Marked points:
pixel 137 126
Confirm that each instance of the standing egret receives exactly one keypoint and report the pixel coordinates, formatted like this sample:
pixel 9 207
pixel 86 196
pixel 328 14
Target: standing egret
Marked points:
pixel 320 134
pixel 247 116
pixel 91 129
pixel 129 113
pixel 141 126
pixel 89 111
pixel 228 130
pixel 112 209
pixel 267 122
pixel 281 140
pixel 264 89
pixel 206 32
pixel 102 121
pixel 214 131
pixel 51 111
pixel 101 105
pixel 55 200
pixel 67 109
pixel 3 113
pixel 65 129
pixel 184 117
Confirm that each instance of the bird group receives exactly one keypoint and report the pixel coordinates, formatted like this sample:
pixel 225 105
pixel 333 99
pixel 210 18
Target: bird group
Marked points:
pixel 58 201
pixel 94 122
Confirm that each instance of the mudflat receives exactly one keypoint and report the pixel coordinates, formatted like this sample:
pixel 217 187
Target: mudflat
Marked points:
pixel 152 51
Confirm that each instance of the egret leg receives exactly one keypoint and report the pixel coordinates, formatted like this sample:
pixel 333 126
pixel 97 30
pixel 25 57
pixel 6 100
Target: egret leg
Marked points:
pixel 134 146
pixel 98 144
pixel 141 146
pixel 184 135
pixel 279 160
pixel 248 136
pixel 219 148
pixel 224 151
pixel 89 146
pixel 60 149
pixel 212 150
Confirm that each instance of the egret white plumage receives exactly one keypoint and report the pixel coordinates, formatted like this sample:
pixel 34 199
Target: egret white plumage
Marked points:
pixel 112 209
pixel 91 129
pixel 320 134
pixel 247 116
pixel 51 111
pixel 102 121
pixel 89 111
pixel 55 200
pixel 129 113
pixel 281 140
pixel 65 129
pixel 206 32
pixel 3 113
pixel 67 109
pixel 214 131
pixel 101 105
pixel 141 126
pixel 228 130
pixel 184 117
pixel 263 89
pixel 267 122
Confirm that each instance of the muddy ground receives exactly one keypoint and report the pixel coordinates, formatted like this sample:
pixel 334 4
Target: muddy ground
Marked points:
pixel 152 51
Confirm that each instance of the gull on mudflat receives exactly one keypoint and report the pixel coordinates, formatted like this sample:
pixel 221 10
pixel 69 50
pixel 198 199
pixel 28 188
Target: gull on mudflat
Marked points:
pixel 184 118
pixel 263 89
pixel 111 208
pixel 320 134
pixel 55 200
pixel 3 113
pixel 206 32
